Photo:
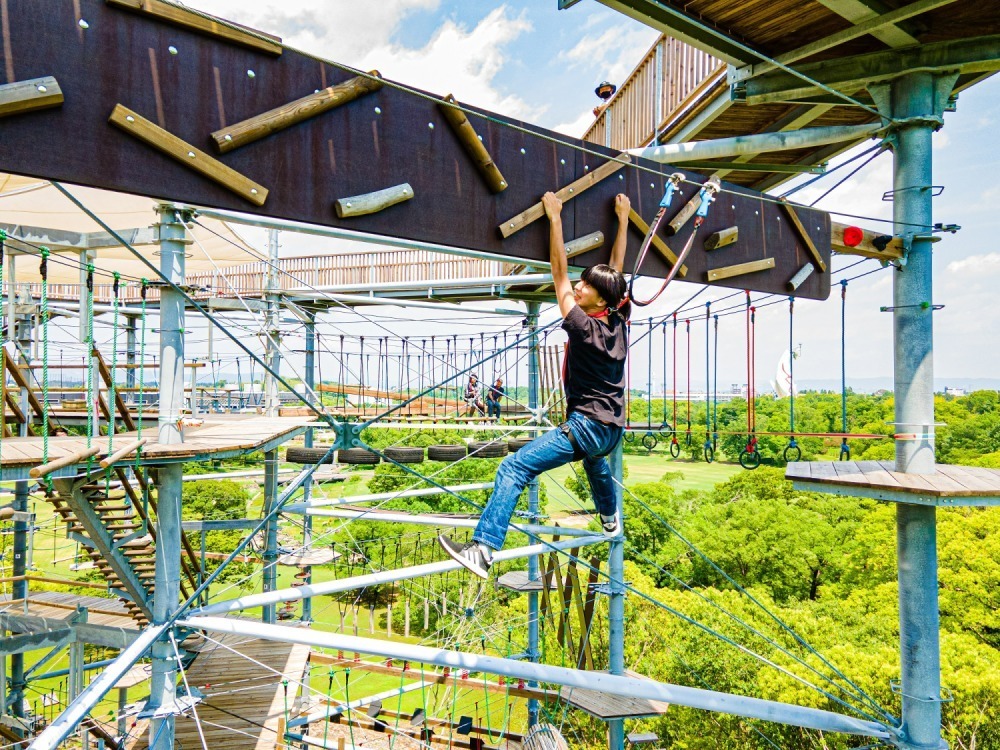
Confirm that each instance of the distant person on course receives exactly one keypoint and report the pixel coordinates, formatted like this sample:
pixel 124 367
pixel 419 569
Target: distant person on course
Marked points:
pixel 472 401
pixel 493 395
pixel 595 313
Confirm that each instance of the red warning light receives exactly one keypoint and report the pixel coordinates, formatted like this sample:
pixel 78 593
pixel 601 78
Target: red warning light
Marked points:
pixel 853 236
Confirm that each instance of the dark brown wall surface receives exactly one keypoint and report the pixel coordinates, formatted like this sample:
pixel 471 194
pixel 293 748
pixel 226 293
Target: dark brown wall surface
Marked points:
pixel 124 58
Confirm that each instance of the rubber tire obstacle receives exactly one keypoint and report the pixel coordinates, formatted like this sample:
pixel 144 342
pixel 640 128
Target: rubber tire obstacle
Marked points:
pixel 307 456
pixel 446 452
pixel 517 443
pixel 492 449
pixel 405 455
pixel 358 456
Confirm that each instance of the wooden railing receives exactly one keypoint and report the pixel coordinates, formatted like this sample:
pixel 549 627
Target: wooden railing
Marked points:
pixel 248 280
pixel 646 100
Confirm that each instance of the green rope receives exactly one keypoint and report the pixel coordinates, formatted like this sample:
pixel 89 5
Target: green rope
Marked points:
pixel 329 697
pixel 142 369
pixel 90 360
pixel 284 684
pixel 43 271
pixel 347 695
pixel 114 367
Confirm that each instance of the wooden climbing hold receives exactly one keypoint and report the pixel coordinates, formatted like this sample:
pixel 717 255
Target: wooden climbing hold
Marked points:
pixel 279 118
pixel 803 234
pixel 28 96
pixel 567 193
pixel 472 144
pixel 370 203
pixel 584 244
pixel 166 142
pixel 661 247
pixel 722 238
pixel 689 209
pixel 740 269
pixel 800 276
pixel 203 23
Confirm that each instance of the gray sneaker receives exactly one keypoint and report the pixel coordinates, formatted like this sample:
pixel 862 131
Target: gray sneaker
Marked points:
pixel 611 525
pixel 471 555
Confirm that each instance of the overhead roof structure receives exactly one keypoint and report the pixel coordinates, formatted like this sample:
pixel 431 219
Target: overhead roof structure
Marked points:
pixel 838 49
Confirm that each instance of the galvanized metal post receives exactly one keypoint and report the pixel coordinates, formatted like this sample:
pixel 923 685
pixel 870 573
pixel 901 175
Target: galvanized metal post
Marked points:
pixel 913 100
pixel 534 655
pixel 616 602
pixel 307 522
pixel 271 329
pixel 163 685
pixel 268 611
pixel 130 345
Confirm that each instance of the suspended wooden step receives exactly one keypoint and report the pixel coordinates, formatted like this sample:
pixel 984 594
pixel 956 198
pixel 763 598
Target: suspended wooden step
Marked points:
pixel 607 706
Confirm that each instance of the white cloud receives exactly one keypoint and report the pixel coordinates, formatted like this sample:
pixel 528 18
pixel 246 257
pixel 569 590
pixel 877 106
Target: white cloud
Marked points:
pixel 976 264
pixel 941 140
pixel 576 128
pixel 460 61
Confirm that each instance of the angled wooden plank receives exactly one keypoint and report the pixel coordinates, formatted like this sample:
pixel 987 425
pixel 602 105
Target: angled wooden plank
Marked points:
pixel 803 234
pixel 567 193
pixel 203 23
pixel 740 269
pixel 28 96
pixel 193 158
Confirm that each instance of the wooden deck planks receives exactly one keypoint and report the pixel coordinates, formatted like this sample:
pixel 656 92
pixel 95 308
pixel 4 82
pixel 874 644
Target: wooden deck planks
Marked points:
pixel 947 481
pixel 608 706
pixel 243 700
pixel 213 437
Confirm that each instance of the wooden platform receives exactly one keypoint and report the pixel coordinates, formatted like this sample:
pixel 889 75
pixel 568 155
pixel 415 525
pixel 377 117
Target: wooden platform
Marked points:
pixel 607 706
pixel 55 605
pixel 948 486
pixel 243 701
pixel 517 580
pixel 215 436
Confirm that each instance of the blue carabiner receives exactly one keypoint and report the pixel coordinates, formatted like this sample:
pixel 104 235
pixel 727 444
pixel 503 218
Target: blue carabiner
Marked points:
pixel 707 195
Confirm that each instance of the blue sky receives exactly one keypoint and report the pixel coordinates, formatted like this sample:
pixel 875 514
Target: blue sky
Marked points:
pixel 527 59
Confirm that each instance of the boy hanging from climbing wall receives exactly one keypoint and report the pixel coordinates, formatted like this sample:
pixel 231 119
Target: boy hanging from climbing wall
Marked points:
pixel 595 316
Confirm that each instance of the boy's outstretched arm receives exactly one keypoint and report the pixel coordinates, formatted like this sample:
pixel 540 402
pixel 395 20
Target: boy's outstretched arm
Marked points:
pixel 622 207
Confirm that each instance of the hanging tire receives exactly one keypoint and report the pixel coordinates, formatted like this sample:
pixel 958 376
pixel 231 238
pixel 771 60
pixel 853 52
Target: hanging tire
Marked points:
pixel 709 453
pixel 675 448
pixel 649 441
pixel 307 456
pixel 750 459
pixel 792 453
pixel 358 456
pixel 446 452
pixel 517 443
pixel 405 455
pixel 492 449
pixel 629 436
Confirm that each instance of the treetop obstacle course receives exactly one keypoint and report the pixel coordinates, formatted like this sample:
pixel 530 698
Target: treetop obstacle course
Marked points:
pixel 153 98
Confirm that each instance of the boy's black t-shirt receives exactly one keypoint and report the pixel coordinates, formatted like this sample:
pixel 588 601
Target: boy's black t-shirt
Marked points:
pixel 594 369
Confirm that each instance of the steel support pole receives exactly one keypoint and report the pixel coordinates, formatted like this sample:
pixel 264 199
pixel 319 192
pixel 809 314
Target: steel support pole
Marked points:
pixel 307 521
pixel 273 357
pixel 163 685
pixel 913 96
pixel 533 652
pixel 616 601
pixel 270 582
pixel 130 347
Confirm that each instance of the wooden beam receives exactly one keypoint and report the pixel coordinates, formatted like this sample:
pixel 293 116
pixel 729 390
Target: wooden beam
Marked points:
pixel 28 96
pixel 869 246
pixel 859 29
pixel 856 11
pixel 473 144
pixel 817 259
pixel 203 23
pixel 22 382
pixel 120 404
pixel 193 158
pixel 722 238
pixel 370 203
pixel 279 118
pixel 740 269
pixel 658 244
pixel 567 193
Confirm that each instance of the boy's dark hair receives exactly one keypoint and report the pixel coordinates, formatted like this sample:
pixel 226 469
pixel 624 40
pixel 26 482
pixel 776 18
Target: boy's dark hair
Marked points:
pixel 611 285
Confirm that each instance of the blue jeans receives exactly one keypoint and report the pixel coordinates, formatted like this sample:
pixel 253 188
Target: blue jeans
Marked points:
pixel 491 407
pixel 547 452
